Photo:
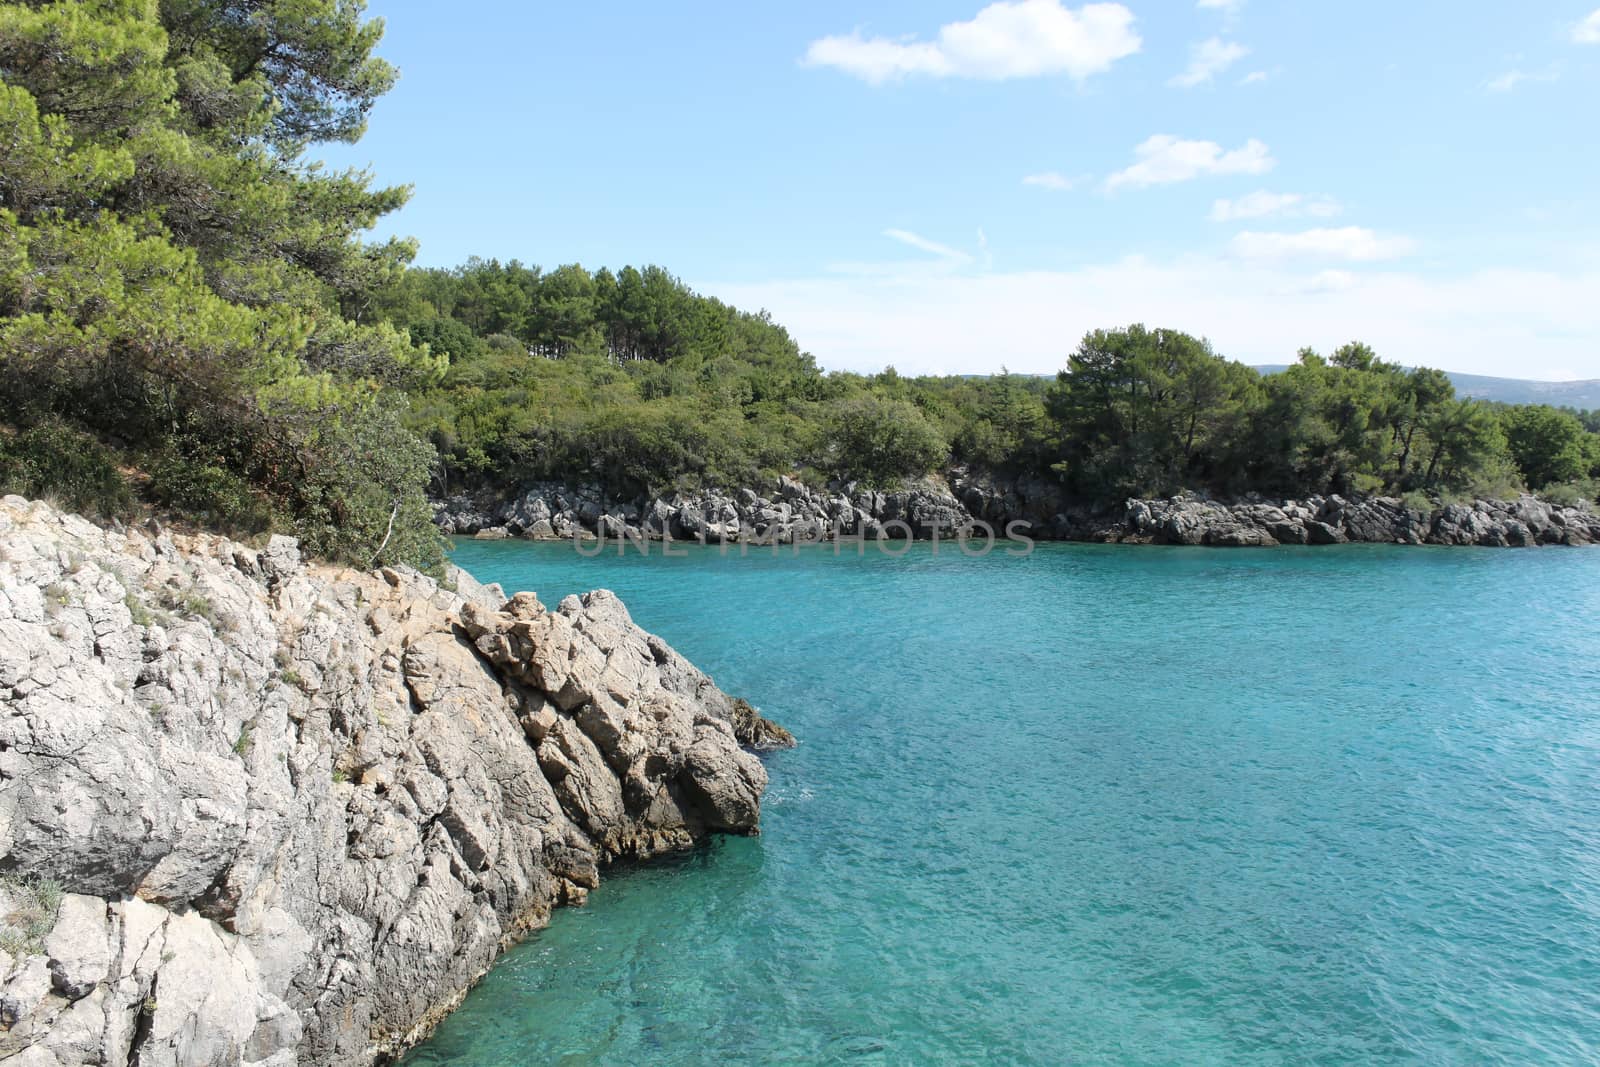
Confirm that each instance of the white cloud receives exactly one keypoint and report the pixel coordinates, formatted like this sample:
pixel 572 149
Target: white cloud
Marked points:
pixel 922 244
pixel 876 60
pixel 1256 313
pixel 1208 59
pixel 1352 244
pixel 1230 7
pixel 1164 159
pixel 1009 39
pixel 1588 31
pixel 1330 281
pixel 1513 78
pixel 1262 204
pixel 1255 77
pixel 1053 180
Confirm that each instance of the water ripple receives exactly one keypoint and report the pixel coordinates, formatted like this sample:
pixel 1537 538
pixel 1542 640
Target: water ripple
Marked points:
pixel 1099 805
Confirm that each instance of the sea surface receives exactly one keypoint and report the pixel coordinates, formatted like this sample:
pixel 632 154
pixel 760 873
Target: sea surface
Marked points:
pixel 1102 804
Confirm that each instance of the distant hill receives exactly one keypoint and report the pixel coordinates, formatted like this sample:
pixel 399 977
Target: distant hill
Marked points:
pixel 1585 395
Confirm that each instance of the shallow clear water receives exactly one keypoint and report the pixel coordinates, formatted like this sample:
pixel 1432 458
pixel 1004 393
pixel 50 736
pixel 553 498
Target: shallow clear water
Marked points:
pixel 1103 804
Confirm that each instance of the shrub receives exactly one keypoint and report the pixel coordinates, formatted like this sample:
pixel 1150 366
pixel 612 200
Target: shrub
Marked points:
pixel 1365 484
pixel 1570 494
pixel 136 610
pixel 1417 500
pixel 207 494
pixel 56 460
pixel 363 502
pixel 1498 480
pixel 197 605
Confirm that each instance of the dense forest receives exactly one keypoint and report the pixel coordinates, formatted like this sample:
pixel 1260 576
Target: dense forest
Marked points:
pixel 633 380
pixel 191 319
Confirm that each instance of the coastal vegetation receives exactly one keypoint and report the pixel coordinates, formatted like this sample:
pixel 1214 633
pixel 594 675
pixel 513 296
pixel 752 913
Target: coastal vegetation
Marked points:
pixel 182 287
pixel 633 380
pixel 191 317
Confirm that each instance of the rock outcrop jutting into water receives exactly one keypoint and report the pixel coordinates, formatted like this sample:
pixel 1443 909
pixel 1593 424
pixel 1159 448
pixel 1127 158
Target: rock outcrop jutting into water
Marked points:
pixel 255 811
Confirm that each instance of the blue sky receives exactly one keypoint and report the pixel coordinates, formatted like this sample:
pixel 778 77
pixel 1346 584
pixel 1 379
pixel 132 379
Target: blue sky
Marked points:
pixel 953 186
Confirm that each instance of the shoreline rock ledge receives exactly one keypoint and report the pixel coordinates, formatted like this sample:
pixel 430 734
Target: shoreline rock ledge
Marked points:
pixel 793 511
pixel 259 811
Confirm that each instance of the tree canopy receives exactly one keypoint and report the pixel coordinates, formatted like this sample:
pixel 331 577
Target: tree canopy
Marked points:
pixel 175 276
pixel 564 374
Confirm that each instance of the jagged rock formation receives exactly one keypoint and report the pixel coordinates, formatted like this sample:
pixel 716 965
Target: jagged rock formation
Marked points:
pixel 1520 523
pixel 792 511
pixel 1030 506
pixel 1190 519
pixel 254 811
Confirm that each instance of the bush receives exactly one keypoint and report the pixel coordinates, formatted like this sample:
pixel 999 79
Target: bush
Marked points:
pixel 56 460
pixel 1417 500
pixel 1365 484
pixel 207 494
pixel 1497 480
pixel 363 502
pixel 1571 494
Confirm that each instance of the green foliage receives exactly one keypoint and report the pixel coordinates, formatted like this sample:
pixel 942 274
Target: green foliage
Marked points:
pixel 994 423
pixel 1152 411
pixel 633 380
pixel 880 441
pixel 174 275
pixel 197 605
pixel 1549 445
pixel 54 460
pixel 1573 495
pixel 1146 411
pixel 357 486
pixel 1468 450
pixel 137 611
pixel 1417 500
pixel 207 492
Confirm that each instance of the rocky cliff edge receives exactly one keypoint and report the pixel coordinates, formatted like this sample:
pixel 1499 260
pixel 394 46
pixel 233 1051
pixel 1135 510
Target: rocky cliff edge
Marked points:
pixel 255 811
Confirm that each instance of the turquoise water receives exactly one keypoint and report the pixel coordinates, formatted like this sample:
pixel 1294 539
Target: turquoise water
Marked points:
pixel 1104 805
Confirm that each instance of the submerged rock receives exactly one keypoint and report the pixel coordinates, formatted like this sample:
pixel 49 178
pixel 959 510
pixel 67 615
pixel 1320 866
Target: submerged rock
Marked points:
pixel 288 814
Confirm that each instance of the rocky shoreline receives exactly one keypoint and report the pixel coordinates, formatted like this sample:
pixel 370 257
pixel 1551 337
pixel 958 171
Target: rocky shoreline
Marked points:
pixel 260 811
pixel 1522 523
pixel 791 512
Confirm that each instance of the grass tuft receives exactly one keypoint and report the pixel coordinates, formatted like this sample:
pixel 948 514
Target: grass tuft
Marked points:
pixel 32 914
